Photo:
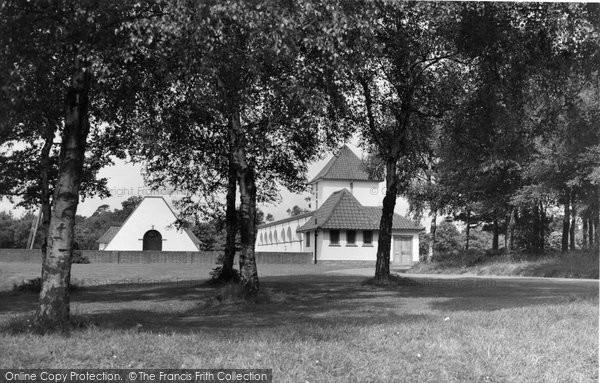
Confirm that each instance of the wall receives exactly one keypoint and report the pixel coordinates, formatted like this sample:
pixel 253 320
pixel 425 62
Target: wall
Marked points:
pixel 205 257
pixel 343 252
pixel 283 244
pixel 151 213
pixel 366 192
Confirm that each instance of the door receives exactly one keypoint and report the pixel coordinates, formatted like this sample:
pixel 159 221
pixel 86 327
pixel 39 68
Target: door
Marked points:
pixel 403 250
pixel 152 240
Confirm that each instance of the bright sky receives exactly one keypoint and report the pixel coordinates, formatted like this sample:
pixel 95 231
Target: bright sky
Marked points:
pixel 125 180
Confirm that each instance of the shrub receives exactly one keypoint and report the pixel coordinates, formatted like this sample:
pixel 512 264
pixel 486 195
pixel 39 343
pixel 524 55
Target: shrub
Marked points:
pixel 79 258
pixel 35 286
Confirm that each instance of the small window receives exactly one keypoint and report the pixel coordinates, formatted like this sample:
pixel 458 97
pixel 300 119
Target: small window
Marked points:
pixel 367 237
pixel 307 236
pixel 334 237
pixel 351 237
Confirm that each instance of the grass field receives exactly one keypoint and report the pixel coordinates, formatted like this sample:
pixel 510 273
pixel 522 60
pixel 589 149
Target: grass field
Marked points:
pixel 314 325
pixel 579 264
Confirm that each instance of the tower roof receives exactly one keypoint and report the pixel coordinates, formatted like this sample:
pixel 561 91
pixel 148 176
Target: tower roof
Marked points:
pixel 345 165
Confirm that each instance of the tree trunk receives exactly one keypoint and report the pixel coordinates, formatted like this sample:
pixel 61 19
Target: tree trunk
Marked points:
pixel 247 182
pixel 468 229
pixel 432 230
pixel 591 231
pixel 384 244
pixel 510 229
pixel 596 231
pixel 227 273
pixel 573 223
pixel 566 224
pixel 496 235
pixel 542 238
pixel 44 183
pixel 54 296
pixel 585 232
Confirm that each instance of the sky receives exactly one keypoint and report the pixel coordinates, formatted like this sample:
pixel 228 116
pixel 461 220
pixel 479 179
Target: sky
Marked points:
pixel 125 180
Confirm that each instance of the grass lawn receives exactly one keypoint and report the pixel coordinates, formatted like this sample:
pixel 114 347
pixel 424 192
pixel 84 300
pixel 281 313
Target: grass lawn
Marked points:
pixel 578 264
pixel 312 325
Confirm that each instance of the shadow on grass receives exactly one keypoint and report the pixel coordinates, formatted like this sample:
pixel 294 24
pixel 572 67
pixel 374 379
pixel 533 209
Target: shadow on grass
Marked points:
pixel 324 301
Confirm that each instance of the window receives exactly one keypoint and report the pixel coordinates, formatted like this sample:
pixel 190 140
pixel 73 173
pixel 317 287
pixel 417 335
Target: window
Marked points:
pixel 367 237
pixel 334 237
pixel 307 237
pixel 351 237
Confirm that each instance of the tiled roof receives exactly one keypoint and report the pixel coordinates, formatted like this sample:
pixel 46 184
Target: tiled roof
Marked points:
pixel 399 222
pixel 109 234
pixel 289 219
pixel 345 165
pixel 343 211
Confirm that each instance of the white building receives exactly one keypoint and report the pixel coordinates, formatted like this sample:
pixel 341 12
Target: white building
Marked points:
pixel 149 227
pixel 345 222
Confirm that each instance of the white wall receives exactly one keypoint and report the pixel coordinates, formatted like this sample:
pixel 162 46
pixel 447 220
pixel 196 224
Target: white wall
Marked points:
pixel 152 213
pixel 266 240
pixel 366 192
pixel 360 252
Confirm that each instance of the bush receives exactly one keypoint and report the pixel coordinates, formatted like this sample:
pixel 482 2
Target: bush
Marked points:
pixel 79 258
pixel 447 238
pixel 35 286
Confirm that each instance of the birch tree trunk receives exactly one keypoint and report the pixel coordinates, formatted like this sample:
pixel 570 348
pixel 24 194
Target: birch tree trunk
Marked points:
pixel 54 296
pixel 510 227
pixel 591 232
pixel 432 230
pixel 566 226
pixel 468 229
pixel 247 183
pixel 585 232
pixel 573 223
pixel 230 224
pixel 46 208
pixel 382 265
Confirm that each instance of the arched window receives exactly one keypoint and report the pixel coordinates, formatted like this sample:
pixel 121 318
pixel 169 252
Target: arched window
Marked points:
pixel 283 239
pixel 289 234
pixel 260 239
pixel 152 240
pixel 275 235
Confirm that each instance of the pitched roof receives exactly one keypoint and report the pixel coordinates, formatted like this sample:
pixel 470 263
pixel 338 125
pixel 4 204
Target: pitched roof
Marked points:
pixel 343 211
pixel 292 218
pixel 399 222
pixel 345 165
pixel 109 234
pixel 113 230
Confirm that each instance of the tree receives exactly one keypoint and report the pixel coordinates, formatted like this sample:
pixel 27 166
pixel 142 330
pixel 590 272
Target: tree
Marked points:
pixel 296 210
pixel 404 79
pixel 85 45
pixel 257 105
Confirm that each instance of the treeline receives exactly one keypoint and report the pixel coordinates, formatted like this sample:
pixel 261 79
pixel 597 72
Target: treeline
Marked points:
pixel 487 111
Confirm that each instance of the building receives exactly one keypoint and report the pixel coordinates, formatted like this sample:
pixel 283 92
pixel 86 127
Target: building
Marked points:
pixel 149 227
pixel 344 224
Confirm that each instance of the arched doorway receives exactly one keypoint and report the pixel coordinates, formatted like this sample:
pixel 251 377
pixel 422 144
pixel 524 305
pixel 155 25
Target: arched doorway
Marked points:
pixel 152 240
